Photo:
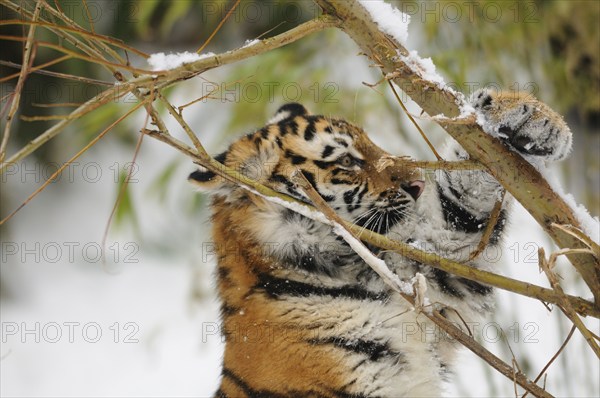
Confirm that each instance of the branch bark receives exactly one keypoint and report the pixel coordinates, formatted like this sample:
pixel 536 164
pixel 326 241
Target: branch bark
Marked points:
pixel 517 175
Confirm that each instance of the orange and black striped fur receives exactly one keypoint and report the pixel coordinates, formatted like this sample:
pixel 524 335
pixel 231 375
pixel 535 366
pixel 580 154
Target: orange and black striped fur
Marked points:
pixel 303 316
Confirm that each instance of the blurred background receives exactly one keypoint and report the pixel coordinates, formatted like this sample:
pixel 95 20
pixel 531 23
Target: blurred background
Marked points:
pixel 125 306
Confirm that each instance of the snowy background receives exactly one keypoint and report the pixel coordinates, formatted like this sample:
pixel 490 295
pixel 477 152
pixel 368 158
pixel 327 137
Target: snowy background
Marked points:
pixel 141 320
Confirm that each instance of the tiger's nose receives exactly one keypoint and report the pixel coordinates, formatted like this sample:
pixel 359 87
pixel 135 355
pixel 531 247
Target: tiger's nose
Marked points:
pixel 414 188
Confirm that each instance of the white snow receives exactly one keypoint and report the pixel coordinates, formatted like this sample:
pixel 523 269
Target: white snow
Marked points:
pixel 395 23
pixel 249 43
pixel 174 346
pixel 466 110
pixel 424 67
pixel 162 61
pixel 389 19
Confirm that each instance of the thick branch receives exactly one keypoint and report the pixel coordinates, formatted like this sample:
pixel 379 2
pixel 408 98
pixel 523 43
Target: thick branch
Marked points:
pixel 517 175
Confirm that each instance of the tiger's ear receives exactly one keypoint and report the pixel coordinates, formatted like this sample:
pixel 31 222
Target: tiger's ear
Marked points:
pixel 206 179
pixel 292 109
pixel 254 156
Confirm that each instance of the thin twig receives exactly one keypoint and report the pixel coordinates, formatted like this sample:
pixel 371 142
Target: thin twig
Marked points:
pixel 94 42
pixel 514 362
pixel 270 30
pixel 209 95
pixel 447 165
pixel 414 122
pixel 565 304
pixel 95 52
pixel 188 130
pixel 38 70
pixel 90 105
pixel 79 31
pixel 56 105
pixel 32 69
pixel 218 27
pixel 127 177
pixel 71 160
pixel 122 190
pixel 27 60
pixel 579 235
pixel 489 228
pixel 94 60
pixel 562 347
pixel 26 118
pixel 89 16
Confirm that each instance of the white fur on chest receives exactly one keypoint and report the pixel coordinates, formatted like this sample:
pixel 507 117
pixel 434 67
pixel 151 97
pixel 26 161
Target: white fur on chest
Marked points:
pixel 421 349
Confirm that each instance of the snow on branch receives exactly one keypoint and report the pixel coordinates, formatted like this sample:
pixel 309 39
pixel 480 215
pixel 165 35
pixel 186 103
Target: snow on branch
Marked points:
pixel 162 61
pixel 390 20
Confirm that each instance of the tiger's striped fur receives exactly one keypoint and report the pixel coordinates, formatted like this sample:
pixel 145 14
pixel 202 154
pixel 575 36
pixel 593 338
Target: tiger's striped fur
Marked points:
pixel 302 314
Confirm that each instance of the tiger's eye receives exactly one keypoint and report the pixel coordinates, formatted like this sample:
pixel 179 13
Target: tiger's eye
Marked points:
pixel 346 161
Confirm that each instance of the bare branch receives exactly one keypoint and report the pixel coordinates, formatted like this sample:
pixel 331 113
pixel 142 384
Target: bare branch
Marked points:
pixel 489 228
pixel 92 104
pixel 414 122
pixel 70 161
pixel 27 60
pixel 565 305
pixel 168 78
pixel 562 347
pixel 203 46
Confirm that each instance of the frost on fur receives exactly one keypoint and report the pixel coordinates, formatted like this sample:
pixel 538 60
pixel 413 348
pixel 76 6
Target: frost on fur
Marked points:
pixel 528 125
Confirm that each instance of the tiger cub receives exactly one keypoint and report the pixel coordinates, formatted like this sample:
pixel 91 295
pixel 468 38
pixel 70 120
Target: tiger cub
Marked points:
pixel 303 315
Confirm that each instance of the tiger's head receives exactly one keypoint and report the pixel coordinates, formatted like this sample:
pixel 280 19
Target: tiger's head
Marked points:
pixel 360 181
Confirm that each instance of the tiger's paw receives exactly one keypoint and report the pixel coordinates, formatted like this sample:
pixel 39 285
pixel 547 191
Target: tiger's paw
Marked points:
pixel 525 123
